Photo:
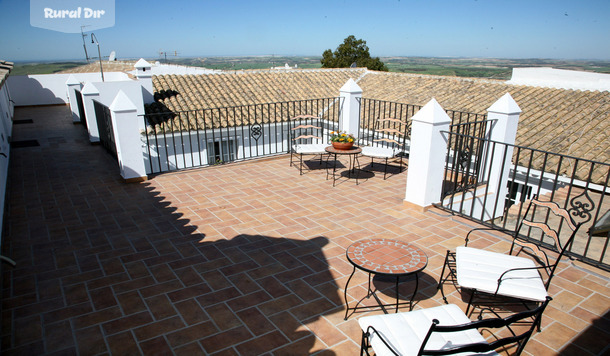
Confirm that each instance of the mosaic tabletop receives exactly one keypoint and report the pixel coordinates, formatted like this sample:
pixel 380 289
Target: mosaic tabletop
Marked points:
pixel 386 256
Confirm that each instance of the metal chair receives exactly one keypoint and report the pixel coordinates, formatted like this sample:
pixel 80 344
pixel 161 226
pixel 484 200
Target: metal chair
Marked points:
pixel 443 330
pixel 387 136
pixel 306 142
pixel 493 277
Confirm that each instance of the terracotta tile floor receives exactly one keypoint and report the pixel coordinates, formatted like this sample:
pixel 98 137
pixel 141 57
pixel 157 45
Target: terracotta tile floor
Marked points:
pixel 238 259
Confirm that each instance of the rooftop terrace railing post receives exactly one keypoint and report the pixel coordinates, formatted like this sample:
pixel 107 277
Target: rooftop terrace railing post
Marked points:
pixel 349 120
pixel 427 156
pixel 503 117
pixel 126 126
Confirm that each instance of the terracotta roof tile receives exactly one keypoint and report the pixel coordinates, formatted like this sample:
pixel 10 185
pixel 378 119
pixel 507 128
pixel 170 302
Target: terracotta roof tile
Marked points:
pixel 5 69
pixel 107 66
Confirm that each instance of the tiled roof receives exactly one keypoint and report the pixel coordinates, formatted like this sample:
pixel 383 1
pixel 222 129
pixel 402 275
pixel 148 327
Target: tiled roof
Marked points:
pixel 108 66
pixel 193 92
pixel 556 120
pixel 570 122
pixel 5 69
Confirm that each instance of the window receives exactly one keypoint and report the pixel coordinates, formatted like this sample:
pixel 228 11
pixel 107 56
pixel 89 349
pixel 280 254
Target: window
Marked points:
pixel 517 192
pixel 221 151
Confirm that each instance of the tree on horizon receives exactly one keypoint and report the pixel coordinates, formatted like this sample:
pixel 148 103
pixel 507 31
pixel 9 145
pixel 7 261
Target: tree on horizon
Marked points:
pixel 352 51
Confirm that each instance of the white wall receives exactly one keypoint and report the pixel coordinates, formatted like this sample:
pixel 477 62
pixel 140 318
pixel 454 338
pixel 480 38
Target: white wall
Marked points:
pixel 50 89
pixel 164 69
pixel 560 78
pixel 132 88
pixel 170 151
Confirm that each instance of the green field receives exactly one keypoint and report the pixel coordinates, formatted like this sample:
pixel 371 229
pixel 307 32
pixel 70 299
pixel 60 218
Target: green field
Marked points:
pixel 461 67
pixel 44 68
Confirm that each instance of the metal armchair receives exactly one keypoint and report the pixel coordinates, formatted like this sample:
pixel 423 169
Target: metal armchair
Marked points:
pixel 386 143
pixel 308 141
pixel 492 277
pixel 443 330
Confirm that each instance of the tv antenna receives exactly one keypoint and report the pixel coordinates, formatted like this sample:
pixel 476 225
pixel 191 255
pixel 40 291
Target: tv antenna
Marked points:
pixel 83 35
pixel 164 54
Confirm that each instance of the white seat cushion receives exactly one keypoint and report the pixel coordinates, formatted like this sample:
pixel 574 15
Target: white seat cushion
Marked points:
pixel 480 270
pixel 310 148
pixel 379 152
pixel 406 331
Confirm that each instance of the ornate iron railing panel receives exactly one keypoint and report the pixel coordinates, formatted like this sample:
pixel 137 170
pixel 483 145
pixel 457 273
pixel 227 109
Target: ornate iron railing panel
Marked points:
pixel 464 164
pixel 578 185
pixel 188 139
pixel 104 126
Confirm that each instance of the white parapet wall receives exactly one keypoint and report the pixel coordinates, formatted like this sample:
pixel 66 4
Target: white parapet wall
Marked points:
pixel 560 79
pixel 50 89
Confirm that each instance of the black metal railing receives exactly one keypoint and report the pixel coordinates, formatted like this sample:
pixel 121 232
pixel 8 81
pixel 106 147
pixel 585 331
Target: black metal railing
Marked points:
pixel 372 110
pixel 578 185
pixel 188 139
pixel 464 164
pixel 81 107
pixel 104 126
pixel 463 118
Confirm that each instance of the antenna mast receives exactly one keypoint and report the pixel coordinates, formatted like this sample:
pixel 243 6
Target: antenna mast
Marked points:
pixel 164 54
pixel 83 35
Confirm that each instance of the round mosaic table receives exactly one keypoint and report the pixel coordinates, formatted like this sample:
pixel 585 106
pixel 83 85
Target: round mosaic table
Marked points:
pixel 385 257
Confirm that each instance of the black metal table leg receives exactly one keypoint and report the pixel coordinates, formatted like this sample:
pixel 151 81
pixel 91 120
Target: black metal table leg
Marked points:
pixel 397 293
pixel 345 292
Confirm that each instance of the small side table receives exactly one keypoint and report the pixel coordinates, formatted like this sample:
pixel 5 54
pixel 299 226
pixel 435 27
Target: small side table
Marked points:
pixel 353 160
pixel 388 258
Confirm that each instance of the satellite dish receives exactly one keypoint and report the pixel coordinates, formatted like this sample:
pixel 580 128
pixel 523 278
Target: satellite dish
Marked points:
pixel 354 65
pixel 112 56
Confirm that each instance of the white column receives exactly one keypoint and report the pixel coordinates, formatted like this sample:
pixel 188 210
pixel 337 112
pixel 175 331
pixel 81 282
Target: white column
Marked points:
pixel 351 94
pixel 91 93
pixel 125 123
pixel 503 117
pixel 73 84
pixel 427 155
pixel 144 75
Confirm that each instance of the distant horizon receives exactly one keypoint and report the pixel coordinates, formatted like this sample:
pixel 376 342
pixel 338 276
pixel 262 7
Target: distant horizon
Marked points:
pixel 60 60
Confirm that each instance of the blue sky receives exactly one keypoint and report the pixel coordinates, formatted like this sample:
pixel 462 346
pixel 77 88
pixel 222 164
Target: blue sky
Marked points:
pixel 440 28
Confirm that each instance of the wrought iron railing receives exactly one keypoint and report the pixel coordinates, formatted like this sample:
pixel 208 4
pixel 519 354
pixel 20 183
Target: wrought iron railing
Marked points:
pixel 188 139
pixel 372 110
pixel 81 107
pixel 464 164
pixel 576 184
pixel 104 126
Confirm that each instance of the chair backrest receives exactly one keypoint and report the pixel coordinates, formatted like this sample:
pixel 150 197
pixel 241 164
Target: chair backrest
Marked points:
pixel 534 218
pixel 513 339
pixel 306 132
pixel 388 132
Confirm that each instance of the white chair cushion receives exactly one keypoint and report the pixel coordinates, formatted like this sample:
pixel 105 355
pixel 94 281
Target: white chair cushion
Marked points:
pixel 406 331
pixel 480 270
pixel 310 148
pixel 379 152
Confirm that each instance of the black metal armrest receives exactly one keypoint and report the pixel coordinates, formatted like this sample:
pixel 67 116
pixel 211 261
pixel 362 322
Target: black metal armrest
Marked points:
pixel 516 269
pixel 368 333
